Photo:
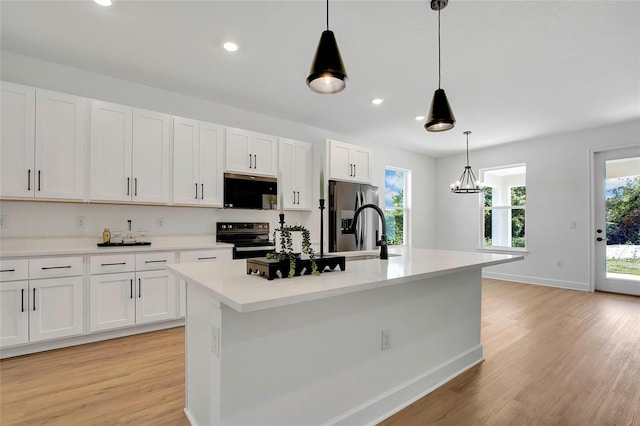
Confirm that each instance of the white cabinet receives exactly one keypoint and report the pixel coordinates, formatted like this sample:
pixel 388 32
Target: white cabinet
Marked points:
pixel 41 308
pixel 349 162
pixel 199 256
pixel 197 163
pixel 129 289
pixel 43 144
pixel 130 156
pixel 295 161
pixel 251 153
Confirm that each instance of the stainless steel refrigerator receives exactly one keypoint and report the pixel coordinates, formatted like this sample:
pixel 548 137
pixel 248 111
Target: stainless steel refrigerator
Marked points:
pixel 344 199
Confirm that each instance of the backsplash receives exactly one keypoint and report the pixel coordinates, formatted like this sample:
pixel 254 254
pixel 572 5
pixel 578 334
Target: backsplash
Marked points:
pixel 50 219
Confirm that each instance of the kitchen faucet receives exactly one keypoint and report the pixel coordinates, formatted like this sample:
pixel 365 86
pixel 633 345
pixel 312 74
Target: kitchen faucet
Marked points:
pixel 383 238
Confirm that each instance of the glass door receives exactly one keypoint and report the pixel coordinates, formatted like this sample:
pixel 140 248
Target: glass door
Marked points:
pixel 617 233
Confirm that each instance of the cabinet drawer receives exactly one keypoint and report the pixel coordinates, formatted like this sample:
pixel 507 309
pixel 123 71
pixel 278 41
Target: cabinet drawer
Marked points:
pixel 151 261
pixel 51 267
pixel 112 263
pixel 205 255
pixel 14 269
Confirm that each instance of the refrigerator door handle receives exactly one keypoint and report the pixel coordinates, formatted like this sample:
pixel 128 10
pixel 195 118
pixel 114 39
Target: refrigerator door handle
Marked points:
pixel 356 232
pixel 365 222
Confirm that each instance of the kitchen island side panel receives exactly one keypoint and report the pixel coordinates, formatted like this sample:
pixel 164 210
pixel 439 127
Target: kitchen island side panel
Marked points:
pixel 322 361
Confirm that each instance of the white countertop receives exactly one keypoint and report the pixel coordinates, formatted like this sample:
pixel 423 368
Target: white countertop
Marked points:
pixel 230 284
pixel 21 247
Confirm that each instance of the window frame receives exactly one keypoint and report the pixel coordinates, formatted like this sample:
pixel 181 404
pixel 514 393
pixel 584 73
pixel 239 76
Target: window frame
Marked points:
pixel 406 208
pixel 502 207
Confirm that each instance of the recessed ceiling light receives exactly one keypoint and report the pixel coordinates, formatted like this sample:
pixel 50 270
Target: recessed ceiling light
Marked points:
pixel 419 117
pixel 230 46
pixel 103 2
pixel 377 101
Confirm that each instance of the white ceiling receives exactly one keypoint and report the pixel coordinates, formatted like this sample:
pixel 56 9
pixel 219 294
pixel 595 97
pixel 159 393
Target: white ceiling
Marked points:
pixel 512 70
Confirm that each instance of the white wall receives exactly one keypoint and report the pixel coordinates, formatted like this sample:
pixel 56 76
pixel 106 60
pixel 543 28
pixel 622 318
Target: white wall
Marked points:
pixel 558 192
pixel 34 219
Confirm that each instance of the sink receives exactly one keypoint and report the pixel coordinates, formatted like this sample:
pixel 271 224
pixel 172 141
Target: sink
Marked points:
pixel 367 257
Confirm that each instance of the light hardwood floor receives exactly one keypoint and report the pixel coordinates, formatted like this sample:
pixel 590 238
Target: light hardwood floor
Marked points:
pixel 552 357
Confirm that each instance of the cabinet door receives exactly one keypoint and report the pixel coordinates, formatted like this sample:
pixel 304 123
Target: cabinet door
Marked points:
pixel 60 146
pixel 112 301
pixel 17 139
pixel 210 164
pixel 186 147
pixel 56 308
pixel 264 149
pixel 302 177
pixel 238 157
pixel 14 313
pixel 156 298
pixel 286 177
pixel 111 140
pixel 150 157
pixel 361 160
pixel 340 166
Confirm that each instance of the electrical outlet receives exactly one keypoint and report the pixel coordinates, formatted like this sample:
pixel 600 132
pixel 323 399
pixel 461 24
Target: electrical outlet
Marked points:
pixel 215 340
pixel 159 222
pixel 81 222
pixel 560 264
pixel 3 221
pixel 386 339
pixel 573 224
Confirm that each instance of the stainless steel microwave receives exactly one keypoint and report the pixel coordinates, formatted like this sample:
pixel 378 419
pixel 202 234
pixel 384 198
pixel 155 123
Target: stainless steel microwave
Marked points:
pixel 250 192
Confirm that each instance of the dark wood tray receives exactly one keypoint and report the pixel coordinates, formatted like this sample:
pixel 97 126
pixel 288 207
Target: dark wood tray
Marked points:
pixel 272 268
pixel 137 243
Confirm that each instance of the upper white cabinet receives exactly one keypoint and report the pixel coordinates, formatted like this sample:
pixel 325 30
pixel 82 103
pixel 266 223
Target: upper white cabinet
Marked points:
pixel 349 162
pixel 295 170
pixel 197 163
pixel 130 156
pixel 43 144
pixel 251 153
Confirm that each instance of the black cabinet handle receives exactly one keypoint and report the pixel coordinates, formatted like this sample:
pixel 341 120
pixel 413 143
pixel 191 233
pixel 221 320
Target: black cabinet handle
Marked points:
pixel 350 169
pixel 131 288
pixel 202 191
pixel 255 161
pixel 298 192
pixel 22 301
pixel 128 186
pixel 599 239
pixel 135 182
pixel 355 171
pixel 250 161
pixel 7 270
pixel 56 267
pixel 156 261
pixel 38 180
pixel 196 190
pixel 34 299
pixel 139 288
pixel 29 180
pixel 207 258
pixel 113 264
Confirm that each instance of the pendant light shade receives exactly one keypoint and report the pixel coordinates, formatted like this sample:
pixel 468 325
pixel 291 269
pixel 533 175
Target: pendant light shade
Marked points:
pixel 327 74
pixel 440 116
pixel 467 184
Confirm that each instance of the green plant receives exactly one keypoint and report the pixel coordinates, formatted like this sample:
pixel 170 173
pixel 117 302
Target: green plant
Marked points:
pixel 286 248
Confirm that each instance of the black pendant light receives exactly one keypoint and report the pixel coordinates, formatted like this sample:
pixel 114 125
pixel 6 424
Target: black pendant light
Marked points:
pixel 467 184
pixel 440 117
pixel 327 74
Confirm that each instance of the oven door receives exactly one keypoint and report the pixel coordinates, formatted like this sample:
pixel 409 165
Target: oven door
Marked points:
pixel 246 252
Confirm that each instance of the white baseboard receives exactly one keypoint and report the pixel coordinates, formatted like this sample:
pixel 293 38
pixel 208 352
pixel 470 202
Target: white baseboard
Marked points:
pixel 190 418
pixel 570 285
pixel 390 402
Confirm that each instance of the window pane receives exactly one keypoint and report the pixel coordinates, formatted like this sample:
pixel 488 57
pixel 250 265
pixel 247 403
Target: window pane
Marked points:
pixel 394 220
pixel 394 188
pixel 518 195
pixel 517 228
pixel 488 197
pixel 487 227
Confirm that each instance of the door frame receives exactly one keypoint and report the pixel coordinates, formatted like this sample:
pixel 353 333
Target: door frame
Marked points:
pixel 592 207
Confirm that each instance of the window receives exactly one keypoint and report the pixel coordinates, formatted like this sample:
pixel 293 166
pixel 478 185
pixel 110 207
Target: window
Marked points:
pixel 503 208
pixel 396 194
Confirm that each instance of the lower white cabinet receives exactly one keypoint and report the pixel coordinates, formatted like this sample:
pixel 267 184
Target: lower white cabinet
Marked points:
pixel 43 308
pixel 199 256
pixel 145 293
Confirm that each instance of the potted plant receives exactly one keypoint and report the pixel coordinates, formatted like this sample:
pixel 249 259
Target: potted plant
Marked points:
pixel 288 240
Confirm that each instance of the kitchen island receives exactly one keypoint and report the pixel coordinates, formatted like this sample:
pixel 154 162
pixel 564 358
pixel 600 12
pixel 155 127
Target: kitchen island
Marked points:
pixel 345 347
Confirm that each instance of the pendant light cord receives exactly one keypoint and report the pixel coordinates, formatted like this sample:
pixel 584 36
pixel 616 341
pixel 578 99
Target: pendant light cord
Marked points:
pixel 327 15
pixel 439 66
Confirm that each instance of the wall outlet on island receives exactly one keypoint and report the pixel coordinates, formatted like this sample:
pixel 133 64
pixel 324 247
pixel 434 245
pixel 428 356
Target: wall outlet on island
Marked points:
pixel 386 339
